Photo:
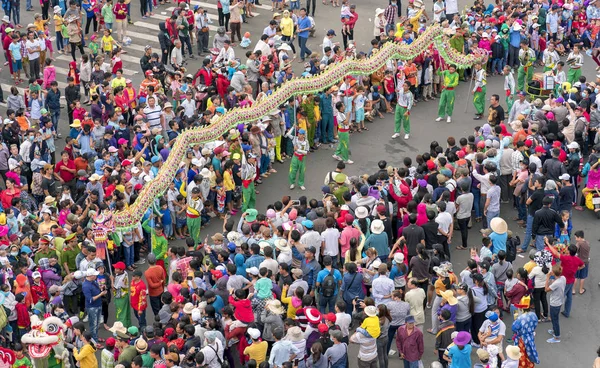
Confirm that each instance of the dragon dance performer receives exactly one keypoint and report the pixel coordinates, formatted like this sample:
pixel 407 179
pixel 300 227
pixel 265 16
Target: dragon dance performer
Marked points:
pixel 298 165
pixel 402 114
pixel 526 58
pixel 550 58
pixel 446 106
pixel 479 91
pixel 248 174
pixel 575 62
pixel 342 152
pixel 509 86
pixel 193 212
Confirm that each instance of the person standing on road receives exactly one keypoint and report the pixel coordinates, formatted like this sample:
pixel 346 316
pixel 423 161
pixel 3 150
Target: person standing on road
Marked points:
pixel 342 152
pixel 348 28
pixel 202 30
pixel 479 90
pixel 409 341
pixel 139 302
pixel 446 106
pixel 326 107
pixel 156 278
pixel 93 300
pixel 402 115
pixel 556 286
pixel 303 28
pixel 121 292
pixel 120 12
pixel 544 223
pixel 298 165
pixel 329 281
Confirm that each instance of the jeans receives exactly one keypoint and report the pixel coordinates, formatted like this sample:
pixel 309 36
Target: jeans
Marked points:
pixel 568 299
pixel 129 255
pixel 408 364
pixel 497 65
pixel 202 41
pixel 539 242
pixel 504 187
pixel 289 41
pixel 94 320
pixel 521 208
pixel 34 68
pixel 28 5
pixel 15 13
pixel 490 216
pixel 308 8
pixel 325 302
pixel 303 49
pixel 168 229
pixel 155 304
pixel 464 325
pixel 185 41
pixel 554 316
pixel 141 317
pixel 391 335
pixel 476 201
pixel 382 352
pixel 55 116
pixel 528 230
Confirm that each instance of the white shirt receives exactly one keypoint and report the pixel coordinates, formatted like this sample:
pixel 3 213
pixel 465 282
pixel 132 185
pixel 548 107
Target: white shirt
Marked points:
pixel 189 107
pixel 210 357
pixel 270 264
pixel 451 6
pixel 381 287
pixel 32 45
pixel 312 239
pixel 331 237
pixel 327 42
pixel 176 56
pixel 343 321
pixel 444 221
pixel 226 55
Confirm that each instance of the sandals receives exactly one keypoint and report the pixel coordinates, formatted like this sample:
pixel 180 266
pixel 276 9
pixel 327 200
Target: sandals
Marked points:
pixel 365 128
pixel 582 292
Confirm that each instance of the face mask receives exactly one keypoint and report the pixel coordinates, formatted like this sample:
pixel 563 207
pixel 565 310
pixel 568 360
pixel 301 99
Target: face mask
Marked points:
pixel 596 90
pixel 11 215
pixel 584 94
pixel 14 254
pixel 31 138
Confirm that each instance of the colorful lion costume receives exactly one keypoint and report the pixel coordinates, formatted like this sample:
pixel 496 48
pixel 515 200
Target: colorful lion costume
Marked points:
pixel 45 343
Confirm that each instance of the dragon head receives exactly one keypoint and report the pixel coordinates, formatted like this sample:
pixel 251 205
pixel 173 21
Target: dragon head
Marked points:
pixel 44 335
pixel 7 358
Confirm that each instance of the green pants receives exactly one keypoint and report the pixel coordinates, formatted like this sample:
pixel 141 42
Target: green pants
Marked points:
pixel 297 167
pixel 524 77
pixel 343 146
pixel 311 133
pixel 546 69
pixel 248 197
pixel 194 224
pixel 446 106
pixel 479 101
pixel 510 100
pixel 401 120
pixel 573 75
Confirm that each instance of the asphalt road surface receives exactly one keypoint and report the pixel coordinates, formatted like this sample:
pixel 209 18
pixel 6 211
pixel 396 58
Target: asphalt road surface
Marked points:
pixel 579 337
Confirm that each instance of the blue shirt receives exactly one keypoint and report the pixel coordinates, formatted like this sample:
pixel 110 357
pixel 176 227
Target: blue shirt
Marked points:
pixel 515 39
pixel 337 276
pixel 460 358
pixel 218 304
pixel 90 290
pixel 304 23
pixel 15 49
pixel 498 242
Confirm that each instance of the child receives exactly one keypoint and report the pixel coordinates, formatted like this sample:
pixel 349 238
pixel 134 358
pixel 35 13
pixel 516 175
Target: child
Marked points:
pixel 23 322
pixel 221 196
pixel 107 43
pixel 370 326
pixel 474 256
pixel 167 221
pixel 21 359
pixel 246 41
pixel 263 285
pixel 242 306
pixel 14 50
pixel 58 23
pixel 388 90
pixel 427 79
pixel 491 328
pixel 485 250
pixel 93 46
pixel 359 108
pixel 64 31
pixel 564 234
pixel 180 217
pixel 345 15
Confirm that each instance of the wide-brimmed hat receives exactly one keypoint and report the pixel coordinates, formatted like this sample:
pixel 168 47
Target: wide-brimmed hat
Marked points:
pixel 275 307
pixel 449 296
pixel 297 272
pixel 295 334
pixel 371 311
pixel 254 333
pixel 141 346
pixel 188 308
pixel 377 227
pixel 282 245
pixel 312 315
pixel 498 225
pixel 513 352
pixel 361 212
pixel 462 338
pixel 49 200
pixel 379 11
pixel 440 271
pixel 118 327
pixel 399 258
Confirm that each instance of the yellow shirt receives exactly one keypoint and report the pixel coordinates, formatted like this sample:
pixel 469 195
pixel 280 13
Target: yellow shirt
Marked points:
pixel 529 266
pixel 301 124
pixel 118 82
pixel 287 26
pixel 107 43
pixel 291 310
pixel 39 24
pixel 317 113
pixel 258 351
pixel 371 324
pixel 58 22
pixel 228 182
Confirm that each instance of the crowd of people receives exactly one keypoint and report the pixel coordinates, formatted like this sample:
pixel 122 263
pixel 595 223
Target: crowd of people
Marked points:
pixel 366 261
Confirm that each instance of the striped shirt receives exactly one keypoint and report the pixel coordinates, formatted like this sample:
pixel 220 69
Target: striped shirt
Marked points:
pixel 153 115
pixel 107 359
pixel 368 346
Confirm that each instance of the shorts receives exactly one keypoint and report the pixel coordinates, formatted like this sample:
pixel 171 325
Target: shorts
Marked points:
pixel 294 5
pixel 228 196
pixel 583 273
pixel 389 96
pixel 436 79
pixel 17 65
pixel 181 222
pixel 360 115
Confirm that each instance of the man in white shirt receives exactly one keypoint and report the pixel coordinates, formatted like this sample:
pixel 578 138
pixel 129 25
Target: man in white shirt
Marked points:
pixel 226 54
pixel 33 53
pixel 176 55
pixel 330 238
pixel 263 46
pixel 311 238
pixel 154 114
pixel 445 228
pixel 382 286
pixel 328 40
pixel 271 29
pixel 189 105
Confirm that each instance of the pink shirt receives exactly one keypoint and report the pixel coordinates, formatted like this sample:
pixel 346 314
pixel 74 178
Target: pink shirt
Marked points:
pixel 49 76
pixel 348 233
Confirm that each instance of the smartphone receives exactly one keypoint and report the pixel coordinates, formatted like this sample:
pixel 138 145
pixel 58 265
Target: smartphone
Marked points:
pixel 295 202
pixel 190 278
pixel 296 361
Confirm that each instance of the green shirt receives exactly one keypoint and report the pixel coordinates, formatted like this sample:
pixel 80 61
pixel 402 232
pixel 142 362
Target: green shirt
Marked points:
pixel 69 257
pixel 159 243
pixel 457 43
pixel 93 46
pixel 128 354
pixel 48 254
pixel 450 79
pixel 107 14
pixel 23 362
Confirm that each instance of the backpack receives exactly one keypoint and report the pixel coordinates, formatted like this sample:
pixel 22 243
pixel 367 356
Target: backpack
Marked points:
pixel 328 285
pixel 512 244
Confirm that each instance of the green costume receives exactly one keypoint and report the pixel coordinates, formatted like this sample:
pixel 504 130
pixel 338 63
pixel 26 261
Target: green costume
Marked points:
pixel 121 293
pixel 297 166
pixel 248 172
pixel 343 149
pixel 193 218
pixel 446 106
pixel 525 74
pixel 308 106
pixel 575 62
pixel 159 242
pixel 457 42
pixel 479 91
pixel 405 103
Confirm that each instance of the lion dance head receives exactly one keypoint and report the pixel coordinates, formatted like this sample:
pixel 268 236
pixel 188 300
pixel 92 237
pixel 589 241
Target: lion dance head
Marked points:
pixel 44 336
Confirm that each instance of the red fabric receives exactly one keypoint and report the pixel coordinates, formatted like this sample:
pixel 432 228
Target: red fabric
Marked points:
pixel 206 74
pixel 6 198
pixel 39 292
pixel 242 310
pixel 22 315
pixel 401 200
pixel 222 85
pixel 138 296
pixel 64 174
pixel 118 64
pixel 570 264
pixel 123 11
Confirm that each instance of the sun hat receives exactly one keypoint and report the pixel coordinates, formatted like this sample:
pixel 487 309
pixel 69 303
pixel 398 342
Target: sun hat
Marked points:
pixel 513 352
pixel 313 315
pixel 448 295
pixel 399 258
pixel 377 227
pixel 462 338
pixel 251 214
pixel 275 307
pixel 371 311
pixel 141 346
pixel 498 225
pixel 297 272
pixel 295 334
pixel 440 271
pixel 361 212
pixel 118 327
pixel 483 354
pixel 282 245
pixel 187 308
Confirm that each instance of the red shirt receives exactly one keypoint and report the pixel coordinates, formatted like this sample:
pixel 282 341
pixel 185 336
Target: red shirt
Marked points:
pixel 138 296
pixel 120 11
pixel 64 174
pixel 570 264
